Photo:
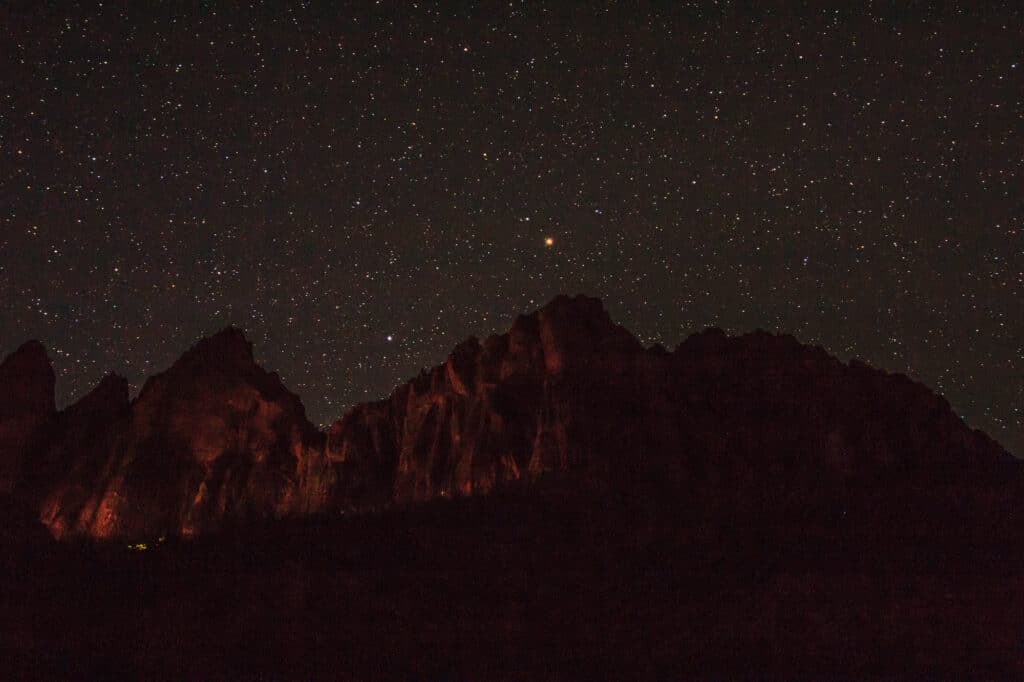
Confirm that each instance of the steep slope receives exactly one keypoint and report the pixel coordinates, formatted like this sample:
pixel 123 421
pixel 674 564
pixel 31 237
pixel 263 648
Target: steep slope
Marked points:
pixel 78 458
pixel 858 419
pixel 214 438
pixel 755 423
pixel 27 409
pixel 525 402
pixel 759 416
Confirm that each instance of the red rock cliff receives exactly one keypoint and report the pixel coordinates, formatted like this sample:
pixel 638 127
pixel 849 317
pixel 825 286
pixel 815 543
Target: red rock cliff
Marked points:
pixel 747 421
pixel 213 439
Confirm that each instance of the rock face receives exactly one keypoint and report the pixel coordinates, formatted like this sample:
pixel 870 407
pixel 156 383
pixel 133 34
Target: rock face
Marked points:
pixel 748 422
pixel 211 440
pixel 26 410
pixel 524 403
pixel 758 416
pixel 78 460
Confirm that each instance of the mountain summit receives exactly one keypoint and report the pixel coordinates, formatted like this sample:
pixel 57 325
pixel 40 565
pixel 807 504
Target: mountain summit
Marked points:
pixel 555 502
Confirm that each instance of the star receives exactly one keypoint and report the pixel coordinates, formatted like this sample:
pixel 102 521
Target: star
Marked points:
pixel 413 202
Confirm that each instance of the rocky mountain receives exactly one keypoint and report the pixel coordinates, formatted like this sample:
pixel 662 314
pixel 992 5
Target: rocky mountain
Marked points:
pixel 71 463
pixel 214 438
pixel 543 397
pixel 751 422
pixel 27 408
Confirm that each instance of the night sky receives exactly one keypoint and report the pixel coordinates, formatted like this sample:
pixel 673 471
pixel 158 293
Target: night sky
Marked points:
pixel 360 188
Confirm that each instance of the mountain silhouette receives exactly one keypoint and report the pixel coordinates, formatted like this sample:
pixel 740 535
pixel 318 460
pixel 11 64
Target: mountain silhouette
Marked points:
pixel 216 440
pixel 556 502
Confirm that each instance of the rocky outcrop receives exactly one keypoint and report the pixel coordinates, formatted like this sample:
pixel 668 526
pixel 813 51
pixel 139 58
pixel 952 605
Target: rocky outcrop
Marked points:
pixel 779 403
pixel 27 409
pixel 543 397
pixel 213 439
pixel 78 459
pixel 759 415
pixel 753 421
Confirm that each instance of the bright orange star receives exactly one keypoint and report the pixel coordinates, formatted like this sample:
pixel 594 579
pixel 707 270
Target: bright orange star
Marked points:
pixel 549 241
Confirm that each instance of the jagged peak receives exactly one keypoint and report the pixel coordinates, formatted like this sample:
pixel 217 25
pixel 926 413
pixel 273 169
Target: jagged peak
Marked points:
pixel 229 337
pixel 229 346
pixel 108 396
pixel 27 380
pixel 32 353
pixel 226 353
pixel 588 315
pixel 707 338
pixel 579 304
pixel 470 346
pixel 112 386
pixel 715 337
pixel 580 311
pixel 578 308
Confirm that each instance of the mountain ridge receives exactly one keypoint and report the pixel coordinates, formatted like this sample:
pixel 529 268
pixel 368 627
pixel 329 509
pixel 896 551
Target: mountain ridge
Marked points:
pixel 215 438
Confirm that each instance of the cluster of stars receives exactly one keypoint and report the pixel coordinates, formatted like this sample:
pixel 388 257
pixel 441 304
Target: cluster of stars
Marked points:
pixel 360 188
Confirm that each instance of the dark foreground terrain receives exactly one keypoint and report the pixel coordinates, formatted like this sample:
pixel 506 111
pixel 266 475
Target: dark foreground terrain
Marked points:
pixel 547 582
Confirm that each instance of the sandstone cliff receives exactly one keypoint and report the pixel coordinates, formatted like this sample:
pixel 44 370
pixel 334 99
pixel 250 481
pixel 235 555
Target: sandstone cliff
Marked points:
pixel 26 410
pixel 751 422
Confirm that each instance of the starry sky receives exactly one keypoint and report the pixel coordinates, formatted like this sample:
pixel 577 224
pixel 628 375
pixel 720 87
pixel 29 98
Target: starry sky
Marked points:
pixel 361 186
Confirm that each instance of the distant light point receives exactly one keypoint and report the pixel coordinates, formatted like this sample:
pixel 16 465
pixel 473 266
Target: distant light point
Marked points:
pixel 549 241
